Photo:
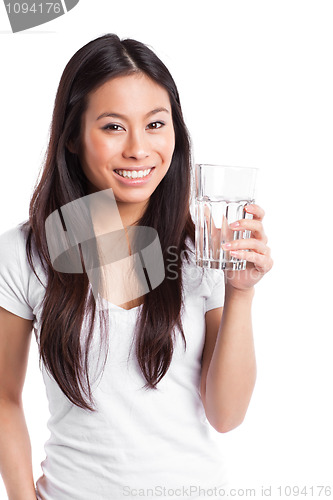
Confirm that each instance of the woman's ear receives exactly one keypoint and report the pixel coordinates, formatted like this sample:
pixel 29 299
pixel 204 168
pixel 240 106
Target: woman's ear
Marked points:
pixel 70 146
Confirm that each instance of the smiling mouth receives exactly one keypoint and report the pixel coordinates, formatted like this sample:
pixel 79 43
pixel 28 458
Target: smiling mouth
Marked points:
pixel 134 174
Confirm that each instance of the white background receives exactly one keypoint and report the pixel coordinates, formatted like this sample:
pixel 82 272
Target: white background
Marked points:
pixel 255 80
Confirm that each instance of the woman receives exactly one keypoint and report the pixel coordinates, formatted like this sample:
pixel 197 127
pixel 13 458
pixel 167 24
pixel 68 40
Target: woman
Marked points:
pixel 143 421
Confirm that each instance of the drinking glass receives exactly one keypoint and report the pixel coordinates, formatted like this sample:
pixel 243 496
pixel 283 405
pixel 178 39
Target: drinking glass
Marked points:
pixel 222 192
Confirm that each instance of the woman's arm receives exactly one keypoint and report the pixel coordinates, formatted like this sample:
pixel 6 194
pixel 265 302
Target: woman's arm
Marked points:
pixel 228 363
pixel 15 448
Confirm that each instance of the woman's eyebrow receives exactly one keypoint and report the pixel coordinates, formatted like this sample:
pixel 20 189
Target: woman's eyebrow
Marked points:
pixel 157 110
pixel 123 117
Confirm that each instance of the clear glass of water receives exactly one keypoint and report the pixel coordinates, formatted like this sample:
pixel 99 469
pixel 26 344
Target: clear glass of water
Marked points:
pixel 222 192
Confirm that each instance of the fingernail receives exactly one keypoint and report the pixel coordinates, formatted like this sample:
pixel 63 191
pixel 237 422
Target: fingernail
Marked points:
pixel 226 245
pixel 234 224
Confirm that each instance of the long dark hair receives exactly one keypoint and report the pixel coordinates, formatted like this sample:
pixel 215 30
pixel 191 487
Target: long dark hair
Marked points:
pixel 68 300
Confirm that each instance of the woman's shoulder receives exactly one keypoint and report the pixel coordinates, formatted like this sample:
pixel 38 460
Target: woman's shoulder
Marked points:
pixel 13 253
pixel 12 240
pixel 15 273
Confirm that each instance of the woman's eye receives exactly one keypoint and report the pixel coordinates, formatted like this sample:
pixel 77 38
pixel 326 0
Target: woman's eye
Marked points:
pixel 113 127
pixel 155 125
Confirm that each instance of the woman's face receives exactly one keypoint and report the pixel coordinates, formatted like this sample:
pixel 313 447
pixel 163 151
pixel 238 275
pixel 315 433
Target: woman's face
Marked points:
pixel 127 130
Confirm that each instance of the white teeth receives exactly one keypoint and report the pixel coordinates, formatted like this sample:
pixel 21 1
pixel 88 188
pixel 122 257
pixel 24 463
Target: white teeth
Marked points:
pixel 133 174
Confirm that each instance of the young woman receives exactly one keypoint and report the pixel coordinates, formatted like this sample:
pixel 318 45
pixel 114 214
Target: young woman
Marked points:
pixel 178 361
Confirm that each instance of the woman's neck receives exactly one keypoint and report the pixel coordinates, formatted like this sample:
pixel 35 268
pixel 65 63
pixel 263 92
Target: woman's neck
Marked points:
pixel 131 213
pixel 107 213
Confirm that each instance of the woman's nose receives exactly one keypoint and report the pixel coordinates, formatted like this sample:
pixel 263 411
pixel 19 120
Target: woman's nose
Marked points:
pixel 136 146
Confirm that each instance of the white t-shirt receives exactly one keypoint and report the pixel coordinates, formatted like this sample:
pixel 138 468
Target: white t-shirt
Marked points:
pixel 140 443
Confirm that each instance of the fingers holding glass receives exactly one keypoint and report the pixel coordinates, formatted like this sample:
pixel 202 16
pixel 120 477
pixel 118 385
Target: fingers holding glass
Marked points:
pixel 257 212
pixel 247 244
pixel 253 225
pixel 262 262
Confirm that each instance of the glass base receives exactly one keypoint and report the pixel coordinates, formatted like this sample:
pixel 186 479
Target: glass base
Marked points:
pixel 234 265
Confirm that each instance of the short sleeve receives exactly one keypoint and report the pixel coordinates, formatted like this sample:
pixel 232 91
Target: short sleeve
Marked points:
pixel 14 280
pixel 216 284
